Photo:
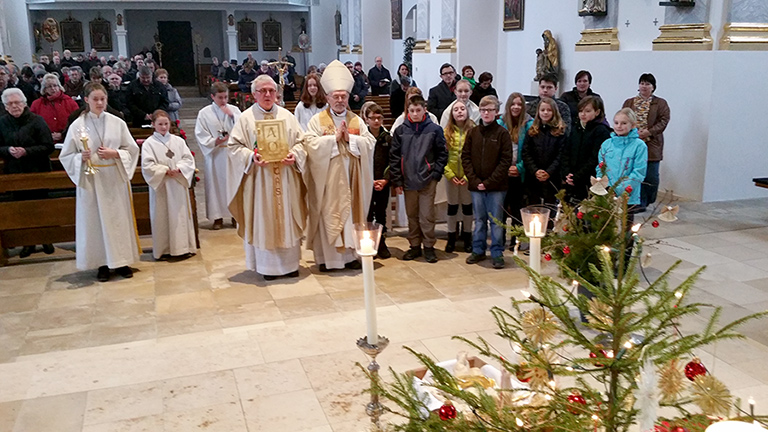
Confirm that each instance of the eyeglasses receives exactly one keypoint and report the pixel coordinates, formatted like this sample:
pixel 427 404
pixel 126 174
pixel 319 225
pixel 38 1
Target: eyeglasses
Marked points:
pixel 488 110
pixel 266 91
pixel 14 103
pixel 448 73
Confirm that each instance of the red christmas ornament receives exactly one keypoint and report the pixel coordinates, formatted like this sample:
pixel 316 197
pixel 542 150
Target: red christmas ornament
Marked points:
pixel 597 216
pixel 566 250
pixel 628 189
pixel 678 429
pixel 595 355
pixel 574 400
pixel 520 374
pixel 694 368
pixel 565 228
pixel 197 179
pixel 447 411
pixel 548 257
pixel 580 215
pixel 193 153
pixel 602 165
pixel 655 224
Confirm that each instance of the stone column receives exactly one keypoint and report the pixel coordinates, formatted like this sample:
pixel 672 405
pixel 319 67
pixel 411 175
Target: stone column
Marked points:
pixel 686 28
pixel 601 33
pixel 422 27
pixel 747 26
pixel 231 32
pixel 448 27
pixel 356 25
pixel 121 34
pixel 345 19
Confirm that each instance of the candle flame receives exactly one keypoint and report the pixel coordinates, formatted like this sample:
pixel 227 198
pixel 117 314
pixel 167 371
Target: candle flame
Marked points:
pixel 636 228
pixel 519 422
pixel 525 293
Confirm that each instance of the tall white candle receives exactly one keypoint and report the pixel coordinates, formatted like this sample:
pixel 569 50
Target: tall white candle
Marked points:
pixel 369 287
pixel 534 259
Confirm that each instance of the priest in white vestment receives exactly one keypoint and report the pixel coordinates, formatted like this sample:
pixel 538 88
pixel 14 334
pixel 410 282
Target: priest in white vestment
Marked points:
pixel 336 161
pixel 266 194
pixel 168 167
pixel 212 129
pixel 105 227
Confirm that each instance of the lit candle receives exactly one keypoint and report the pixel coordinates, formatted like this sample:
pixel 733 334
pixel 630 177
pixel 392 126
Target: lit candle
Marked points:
pixel 369 291
pixel 535 227
pixel 366 244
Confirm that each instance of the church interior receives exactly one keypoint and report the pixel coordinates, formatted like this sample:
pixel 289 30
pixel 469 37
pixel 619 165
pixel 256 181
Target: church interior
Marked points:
pixel 205 344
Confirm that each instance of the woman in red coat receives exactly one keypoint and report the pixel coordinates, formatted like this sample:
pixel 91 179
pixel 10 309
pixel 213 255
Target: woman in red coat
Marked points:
pixel 54 106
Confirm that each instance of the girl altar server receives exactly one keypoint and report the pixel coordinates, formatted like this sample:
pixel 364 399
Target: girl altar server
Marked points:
pixel 169 167
pixel 100 156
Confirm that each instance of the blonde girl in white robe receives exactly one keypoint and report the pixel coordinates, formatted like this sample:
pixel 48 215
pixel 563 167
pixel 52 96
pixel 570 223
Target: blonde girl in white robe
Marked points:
pixel 168 167
pixel 105 227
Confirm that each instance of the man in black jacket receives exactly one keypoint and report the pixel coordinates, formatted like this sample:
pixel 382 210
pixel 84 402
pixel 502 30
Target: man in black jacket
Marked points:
pixel 486 158
pixel 145 95
pixel 417 160
pixel 379 78
pixel 360 90
pixel 441 95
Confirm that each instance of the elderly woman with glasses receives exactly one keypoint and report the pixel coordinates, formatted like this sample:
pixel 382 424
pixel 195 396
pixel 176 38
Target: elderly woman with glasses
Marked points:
pixel 25 146
pixel 54 106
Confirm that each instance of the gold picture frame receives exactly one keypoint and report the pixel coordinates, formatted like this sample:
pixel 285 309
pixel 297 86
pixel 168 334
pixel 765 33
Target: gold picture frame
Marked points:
pixel 514 12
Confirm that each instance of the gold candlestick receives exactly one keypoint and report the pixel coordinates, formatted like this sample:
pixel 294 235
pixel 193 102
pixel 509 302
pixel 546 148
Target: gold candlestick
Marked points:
pixel 89 169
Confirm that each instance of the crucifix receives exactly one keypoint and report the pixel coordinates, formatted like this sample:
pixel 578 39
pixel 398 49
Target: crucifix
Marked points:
pixel 656 22
pixel 627 23
pixel 281 65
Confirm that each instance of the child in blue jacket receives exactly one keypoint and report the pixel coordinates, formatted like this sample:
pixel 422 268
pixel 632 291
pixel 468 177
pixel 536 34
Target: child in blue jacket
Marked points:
pixel 625 157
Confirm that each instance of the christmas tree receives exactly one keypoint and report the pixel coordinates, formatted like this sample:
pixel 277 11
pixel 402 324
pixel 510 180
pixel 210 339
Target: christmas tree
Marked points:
pixel 612 371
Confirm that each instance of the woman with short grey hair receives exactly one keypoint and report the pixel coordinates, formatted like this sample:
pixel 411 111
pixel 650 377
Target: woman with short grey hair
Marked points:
pixel 54 106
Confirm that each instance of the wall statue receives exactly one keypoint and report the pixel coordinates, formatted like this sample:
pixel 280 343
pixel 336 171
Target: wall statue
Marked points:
pixel 593 7
pixel 547 59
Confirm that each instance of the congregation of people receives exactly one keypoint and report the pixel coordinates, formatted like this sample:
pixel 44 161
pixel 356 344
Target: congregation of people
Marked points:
pixel 339 165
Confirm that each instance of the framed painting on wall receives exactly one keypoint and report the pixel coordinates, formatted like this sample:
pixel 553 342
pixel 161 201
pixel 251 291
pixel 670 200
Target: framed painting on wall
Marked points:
pixel 72 35
pixel 101 34
pixel 397 19
pixel 514 11
pixel 271 33
pixel 247 35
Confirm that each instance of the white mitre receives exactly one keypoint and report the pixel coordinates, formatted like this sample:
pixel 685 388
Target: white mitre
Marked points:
pixel 337 77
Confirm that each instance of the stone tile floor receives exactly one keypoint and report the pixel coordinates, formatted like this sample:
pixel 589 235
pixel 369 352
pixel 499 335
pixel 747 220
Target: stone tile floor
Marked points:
pixel 202 344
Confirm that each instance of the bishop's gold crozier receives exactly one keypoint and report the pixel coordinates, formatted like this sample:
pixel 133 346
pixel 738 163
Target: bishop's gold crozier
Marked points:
pixel 89 169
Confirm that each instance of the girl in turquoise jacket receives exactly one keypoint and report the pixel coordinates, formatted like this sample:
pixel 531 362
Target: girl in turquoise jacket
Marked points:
pixel 624 156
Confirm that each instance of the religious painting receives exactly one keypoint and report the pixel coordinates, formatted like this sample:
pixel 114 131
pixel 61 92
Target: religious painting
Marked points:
pixel 247 35
pixel 514 11
pixel 72 35
pixel 397 19
pixel 272 34
pixel 101 34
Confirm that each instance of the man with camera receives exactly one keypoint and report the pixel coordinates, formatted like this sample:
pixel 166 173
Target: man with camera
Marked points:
pixel 214 123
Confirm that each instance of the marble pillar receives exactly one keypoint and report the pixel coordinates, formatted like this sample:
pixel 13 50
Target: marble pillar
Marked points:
pixel 747 26
pixel 447 27
pixel 356 25
pixel 121 33
pixel 3 30
pixel 685 29
pixel 422 26
pixel 345 19
pixel 231 32
pixel 601 33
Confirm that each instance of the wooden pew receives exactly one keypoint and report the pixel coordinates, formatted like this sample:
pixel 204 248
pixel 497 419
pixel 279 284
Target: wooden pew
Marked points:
pixel 52 219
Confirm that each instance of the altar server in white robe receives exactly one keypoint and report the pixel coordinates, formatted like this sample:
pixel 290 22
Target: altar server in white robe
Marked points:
pixel 212 130
pixel 336 161
pixel 266 198
pixel 105 224
pixel 168 167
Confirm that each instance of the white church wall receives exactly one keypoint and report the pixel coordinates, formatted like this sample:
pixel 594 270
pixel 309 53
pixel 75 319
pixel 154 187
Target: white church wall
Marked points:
pixel 285 20
pixel 85 17
pixel 473 47
pixel 323 33
pixel 377 35
pixel 18 24
pixel 737 150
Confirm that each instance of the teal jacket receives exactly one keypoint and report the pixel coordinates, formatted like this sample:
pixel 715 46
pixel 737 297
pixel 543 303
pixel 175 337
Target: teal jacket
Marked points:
pixel 626 162
pixel 518 145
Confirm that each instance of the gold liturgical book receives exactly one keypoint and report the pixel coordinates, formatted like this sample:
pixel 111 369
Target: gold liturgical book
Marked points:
pixel 271 140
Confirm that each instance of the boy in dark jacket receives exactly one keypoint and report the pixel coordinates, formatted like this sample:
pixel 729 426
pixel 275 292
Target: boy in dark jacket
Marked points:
pixel 416 162
pixel 486 157
pixel 380 197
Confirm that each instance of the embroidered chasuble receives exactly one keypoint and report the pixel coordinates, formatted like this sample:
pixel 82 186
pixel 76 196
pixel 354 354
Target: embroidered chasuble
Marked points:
pixel 339 179
pixel 268 202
